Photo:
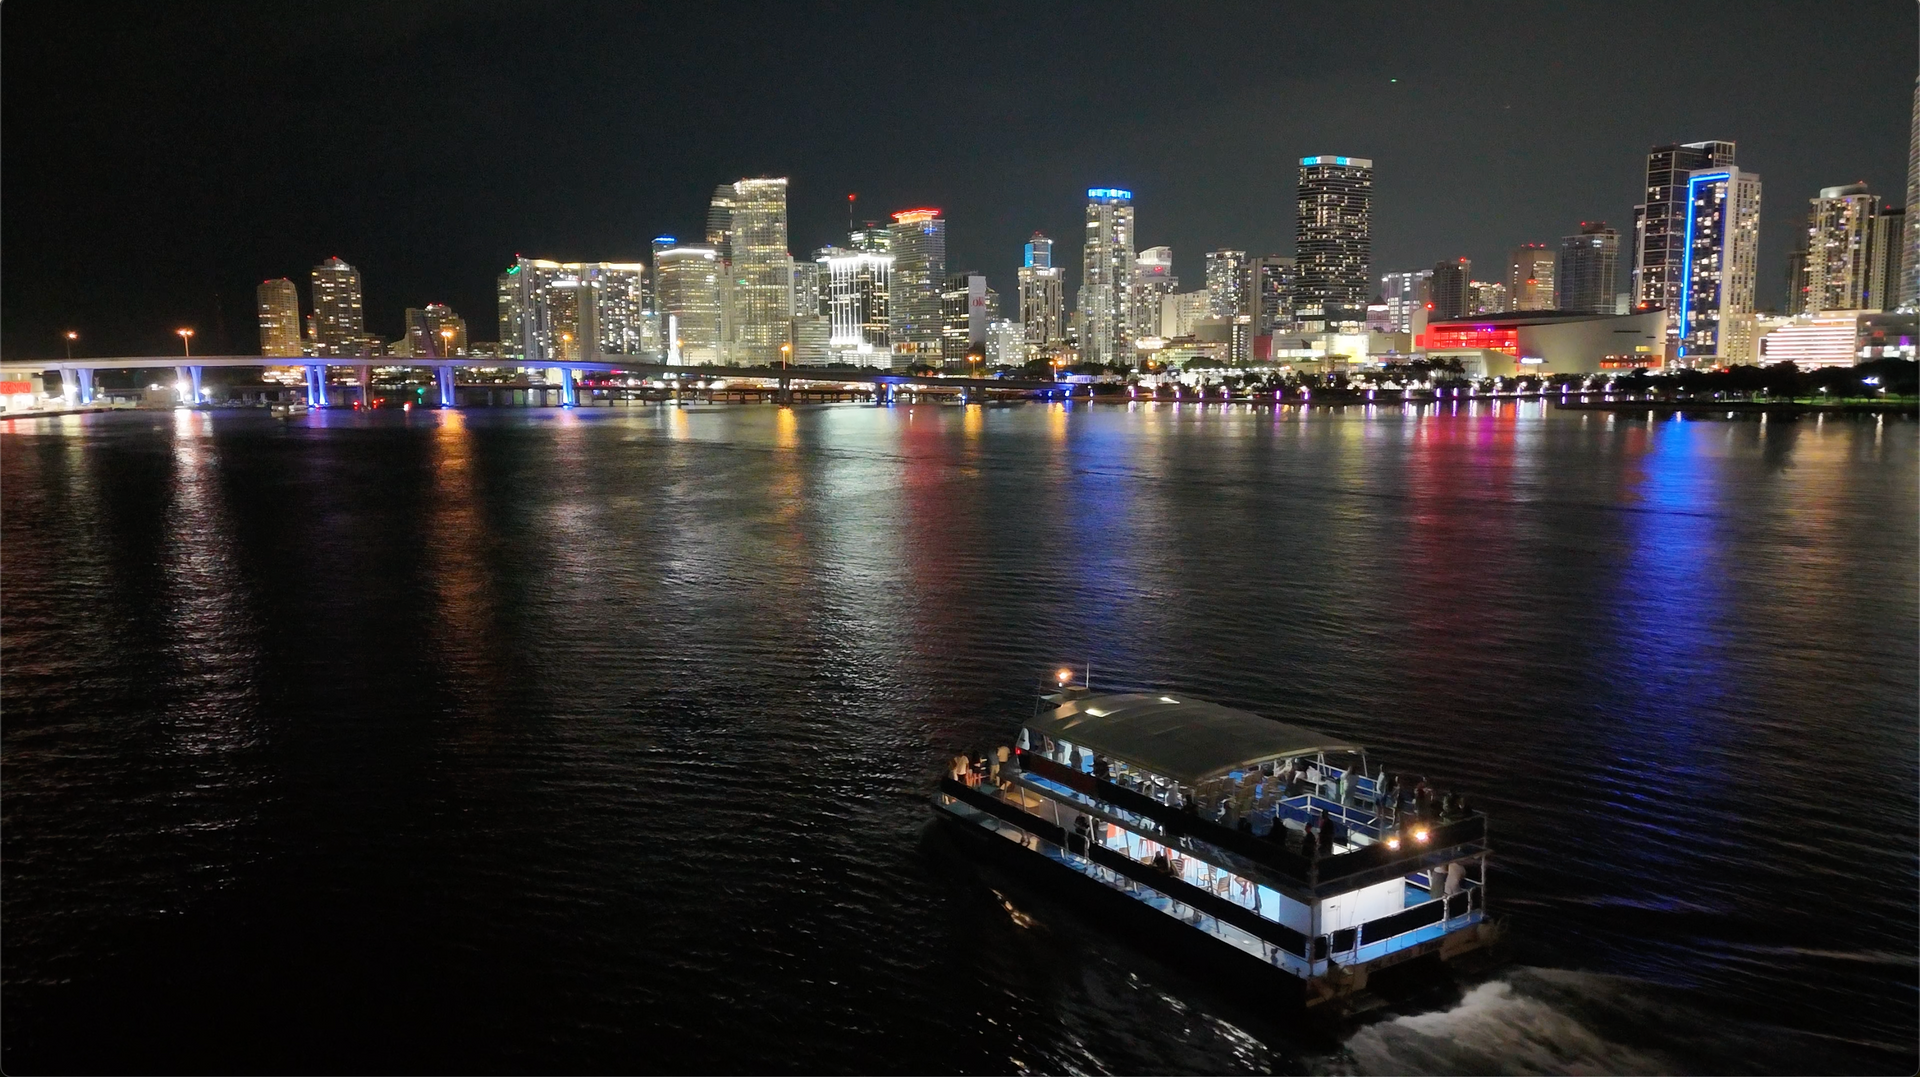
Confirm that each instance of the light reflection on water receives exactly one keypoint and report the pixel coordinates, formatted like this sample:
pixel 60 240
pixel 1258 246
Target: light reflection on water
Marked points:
pixel 573 732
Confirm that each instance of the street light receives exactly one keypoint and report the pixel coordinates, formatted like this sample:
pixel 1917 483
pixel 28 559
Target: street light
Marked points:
pixel 186 340
pixel 784 350
pixel 446 348
pixel 71 337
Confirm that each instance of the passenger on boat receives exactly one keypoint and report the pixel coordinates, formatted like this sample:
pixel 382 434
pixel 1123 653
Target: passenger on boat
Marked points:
pixel 957 769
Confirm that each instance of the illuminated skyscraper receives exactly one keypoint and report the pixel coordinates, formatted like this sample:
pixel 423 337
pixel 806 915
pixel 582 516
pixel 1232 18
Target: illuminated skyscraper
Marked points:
pixel 871 238
pixel 1530 277
pixel 1153 282
pixel 1039 252
pixel 919 242
pixel 278 302
pixel 1042 295
pixel 339 323
pixel 433 331
pixel 1660 223
pixel 1273 283
pixel 1488 297
pixel 1404 292
pixel 1840 249
pixel 855 288
pixel 964 314
pixel 1584 277
pixel 573 311
pixel 1333 241
pixel 1105 305
pixel 687 285
pixel 1227 284
pixel 1720 248
pixel 759 270
pixel 720 221
pixel 1910 249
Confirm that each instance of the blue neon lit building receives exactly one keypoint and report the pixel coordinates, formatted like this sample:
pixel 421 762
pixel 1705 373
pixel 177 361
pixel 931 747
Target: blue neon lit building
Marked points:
pixel 1715 320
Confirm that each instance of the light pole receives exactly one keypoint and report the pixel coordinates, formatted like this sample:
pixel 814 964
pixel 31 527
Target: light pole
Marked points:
pixel 446 343
pixel 186 341
pixel 71 337
pixel 785 350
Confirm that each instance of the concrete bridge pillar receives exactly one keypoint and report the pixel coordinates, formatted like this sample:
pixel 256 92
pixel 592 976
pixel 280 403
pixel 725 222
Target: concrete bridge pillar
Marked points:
pixel 84 377
pixel 193 378
pixel 444 375
pixel 568 396
pixel 316 385
pixel 70 385
pixel 785 393
pixel 366 386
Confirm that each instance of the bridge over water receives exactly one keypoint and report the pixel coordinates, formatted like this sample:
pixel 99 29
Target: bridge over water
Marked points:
pixel 76 375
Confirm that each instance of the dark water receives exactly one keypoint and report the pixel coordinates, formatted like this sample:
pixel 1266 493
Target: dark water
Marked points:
pixel 601 741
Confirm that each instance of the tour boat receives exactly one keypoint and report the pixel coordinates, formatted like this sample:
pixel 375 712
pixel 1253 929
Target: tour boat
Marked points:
pixel 1244 842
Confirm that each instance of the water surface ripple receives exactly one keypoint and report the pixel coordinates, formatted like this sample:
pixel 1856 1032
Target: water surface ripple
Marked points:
pixel 601 740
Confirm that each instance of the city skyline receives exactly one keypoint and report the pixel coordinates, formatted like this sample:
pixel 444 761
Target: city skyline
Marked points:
pixel 425 230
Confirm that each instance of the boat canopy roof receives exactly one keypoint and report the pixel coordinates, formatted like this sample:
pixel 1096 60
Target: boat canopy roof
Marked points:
pixel 1176 736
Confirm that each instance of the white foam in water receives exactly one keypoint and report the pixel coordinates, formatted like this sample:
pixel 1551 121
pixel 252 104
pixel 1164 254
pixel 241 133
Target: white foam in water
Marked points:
pixel 1494 1029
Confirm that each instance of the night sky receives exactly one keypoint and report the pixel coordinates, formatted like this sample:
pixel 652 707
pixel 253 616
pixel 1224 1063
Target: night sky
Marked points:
pixel 153 158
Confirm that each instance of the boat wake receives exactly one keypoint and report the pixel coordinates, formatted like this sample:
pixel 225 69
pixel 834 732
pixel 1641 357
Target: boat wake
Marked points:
pixel 1535 1020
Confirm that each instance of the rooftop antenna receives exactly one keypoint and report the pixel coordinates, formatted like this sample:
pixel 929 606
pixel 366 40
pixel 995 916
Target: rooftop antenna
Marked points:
pixel 850 197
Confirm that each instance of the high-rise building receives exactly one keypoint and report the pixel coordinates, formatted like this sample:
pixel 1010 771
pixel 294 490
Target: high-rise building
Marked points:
pixel 1333 241
pixel 1488 297
pixel 1883 262
pixel 513 317
pixel 278 302
pixel 687 286
pixel 1105 302
pixel 806 289
pixel 1227 284
pixel 1840 249
pixel 964 315
pixel 720 222
pixel 339 323
pixel 1006 343
pixel 1910 248
pixel 759 270
pixel 855 289
pixel 1448 290
pixel 432 332
pixel 1153 281
pixel 1583 278
pixel 1042 295
pixel 1404 293
pixel 573 311
pixel 1720 250
pixel 871 238
pixel 1271 280
pixel 919 243
pixel 1038 252
pixel 1660 223
pixel 1530 277
pixel 1182 312
pixel 1797 276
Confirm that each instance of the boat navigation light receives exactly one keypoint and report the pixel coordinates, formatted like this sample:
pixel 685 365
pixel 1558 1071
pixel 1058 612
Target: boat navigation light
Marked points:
pixel 1421 835
pixel 1065 675
pixel 1393 842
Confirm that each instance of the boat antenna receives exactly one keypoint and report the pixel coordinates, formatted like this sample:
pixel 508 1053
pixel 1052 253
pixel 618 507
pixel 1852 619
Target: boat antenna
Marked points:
pixel 1087 680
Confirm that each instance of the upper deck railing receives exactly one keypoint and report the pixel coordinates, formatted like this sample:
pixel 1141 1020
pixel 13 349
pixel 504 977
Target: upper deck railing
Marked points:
pixel 1331 874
